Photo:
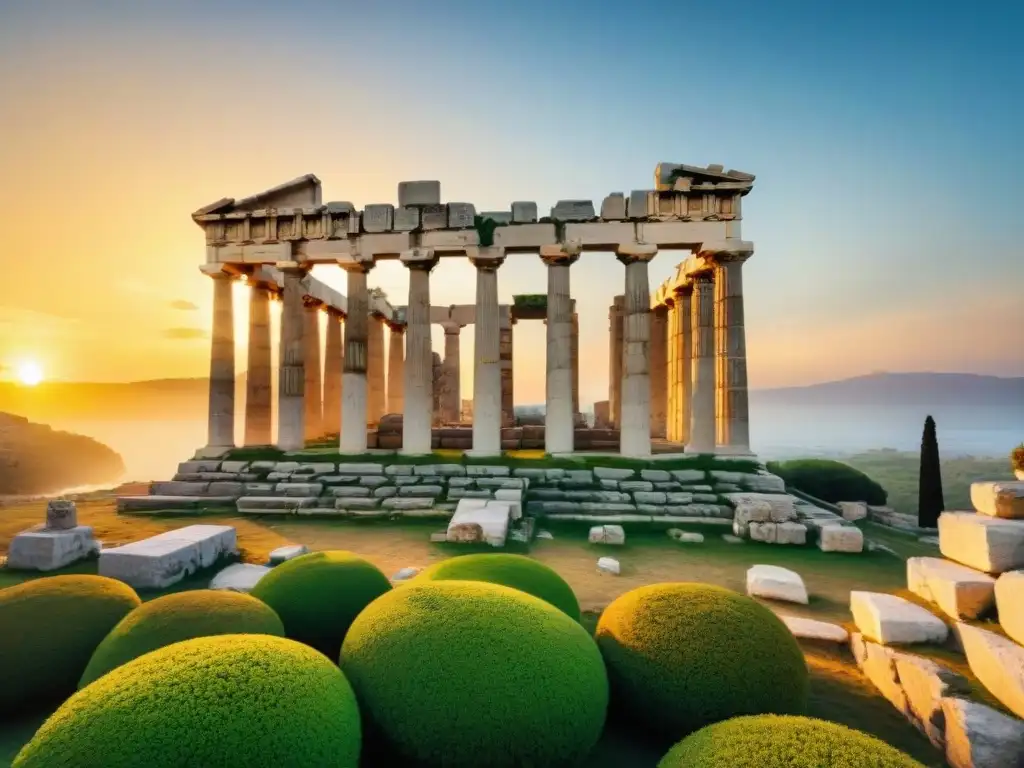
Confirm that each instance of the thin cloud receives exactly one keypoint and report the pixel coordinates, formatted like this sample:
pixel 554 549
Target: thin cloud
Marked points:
pixel 185 334
pixel 183 305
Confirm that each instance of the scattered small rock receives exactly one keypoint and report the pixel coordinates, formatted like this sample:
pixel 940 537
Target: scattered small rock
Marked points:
pixel 283 554
pixel 240 577
pixel 685 537
pixel 728 538
pixel 607 534
pixel 405 574
pixel 776 583
pixel 608 565
pixel 544 535
pixel 811 629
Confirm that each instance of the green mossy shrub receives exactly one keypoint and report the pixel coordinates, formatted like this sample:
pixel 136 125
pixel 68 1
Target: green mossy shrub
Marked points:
pixel 213 702
pixel 318 596
pixel 530 300
pixel 464 673
pixel 772 741
pixel 180 616
pixel 681 656
pixel 516 571
pixel 830 481
pixel 49 628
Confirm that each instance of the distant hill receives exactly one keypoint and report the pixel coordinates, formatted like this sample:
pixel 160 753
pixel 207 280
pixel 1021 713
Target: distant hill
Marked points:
pixel 35 459
pixel 888 389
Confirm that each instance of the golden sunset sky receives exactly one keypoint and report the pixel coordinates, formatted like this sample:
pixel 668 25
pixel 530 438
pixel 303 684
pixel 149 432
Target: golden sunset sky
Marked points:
pixel 883 216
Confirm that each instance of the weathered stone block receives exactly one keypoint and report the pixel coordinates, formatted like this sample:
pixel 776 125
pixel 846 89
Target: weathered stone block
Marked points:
pixel 397 470
pixel 286 553
pixel 239 577
pixel 811 629
pixel 175 488
pixel 165 559
pixel 492 517
pixel 841 538
pixel 274 504
pixel 434 217
pixel 607 534
pixel 613 473
pixel 977 736
pixel 301 489
pixel 357 503
pixel 1009 592
pixel 524 212
pixel 419 193
pixel 573 210
pixel 997 662
pixel 790 532
pixel 891 619
pixel 43 549
pixel 349 491
pixel 474 470
pixel 649 497
pixel 406 219
pixel 989 544
pixel 999 499
pixel 360 469
pixel 378 217
pixel 776 583
pixel 959 591
pixel 641 204
pixel 461 215
pixel 853 510
pixel 613 208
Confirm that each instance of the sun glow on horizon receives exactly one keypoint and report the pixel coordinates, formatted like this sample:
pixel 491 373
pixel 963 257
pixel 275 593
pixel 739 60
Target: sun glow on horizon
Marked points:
pixel 29 373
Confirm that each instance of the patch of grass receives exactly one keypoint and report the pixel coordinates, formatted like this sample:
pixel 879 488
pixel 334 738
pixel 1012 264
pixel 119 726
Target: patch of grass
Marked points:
pixel 897 473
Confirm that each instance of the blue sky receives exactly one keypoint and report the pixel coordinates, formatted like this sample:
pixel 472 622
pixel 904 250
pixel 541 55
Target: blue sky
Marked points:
pixel 885 139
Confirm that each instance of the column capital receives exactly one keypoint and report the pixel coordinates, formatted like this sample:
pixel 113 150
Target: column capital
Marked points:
pixel 703 278
pixel 334 312
pixel 685 289
pixel 452 329
pixel 630 253
pixel 311 302
pixel 726 251
pixel 357 262
pixel 561 254
pixel 487 258
pixel 423 259
pixel 291 268
pixel 219 271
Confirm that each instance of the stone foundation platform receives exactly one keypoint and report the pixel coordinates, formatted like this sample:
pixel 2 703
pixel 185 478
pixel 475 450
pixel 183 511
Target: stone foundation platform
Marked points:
pixel 388 436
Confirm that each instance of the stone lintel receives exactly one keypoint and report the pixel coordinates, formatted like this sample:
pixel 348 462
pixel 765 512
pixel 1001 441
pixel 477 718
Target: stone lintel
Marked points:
pixel 726 250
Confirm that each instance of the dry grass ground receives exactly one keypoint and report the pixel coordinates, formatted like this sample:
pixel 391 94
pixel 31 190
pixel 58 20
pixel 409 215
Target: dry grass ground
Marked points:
pixel 839 691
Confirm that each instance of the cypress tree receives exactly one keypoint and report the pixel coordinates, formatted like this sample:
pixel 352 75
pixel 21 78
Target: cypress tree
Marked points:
pixel 929 489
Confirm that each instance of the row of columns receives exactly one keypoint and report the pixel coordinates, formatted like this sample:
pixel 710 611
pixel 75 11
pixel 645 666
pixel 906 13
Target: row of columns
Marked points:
pixel 698 384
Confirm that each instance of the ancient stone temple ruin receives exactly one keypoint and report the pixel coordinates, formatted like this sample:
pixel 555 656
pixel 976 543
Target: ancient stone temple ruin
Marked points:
pixel 678 360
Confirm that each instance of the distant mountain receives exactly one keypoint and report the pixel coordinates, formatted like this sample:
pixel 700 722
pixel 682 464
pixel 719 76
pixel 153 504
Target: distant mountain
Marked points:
pixel 887 389
pixel 35 459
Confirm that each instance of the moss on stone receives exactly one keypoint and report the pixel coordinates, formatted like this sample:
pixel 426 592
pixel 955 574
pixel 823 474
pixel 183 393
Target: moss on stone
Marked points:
pixel 516 571
pixel 772 741
pixel 681 656
pixel 213 702
pixel 463 673
pixel 49 629
pixel 176 617
pixel 318 595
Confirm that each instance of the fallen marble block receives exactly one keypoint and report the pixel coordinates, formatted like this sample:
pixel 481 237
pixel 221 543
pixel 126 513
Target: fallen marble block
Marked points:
pixel 1009 594
pixel 607 534
pixel 167 558
pixel 980 737
pixel 608 565
pixel 286 553
pixel 961 592
pixel 491 516
pixel 997 662
pixel 811 629
pixel 44 549
pixel 1002 498
pixel 240 577
pixel 891 619
pixel 776 583
pixel 840 538
pixel 988 544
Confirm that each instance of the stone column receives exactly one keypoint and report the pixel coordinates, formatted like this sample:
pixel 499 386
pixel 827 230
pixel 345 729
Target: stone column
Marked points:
pixel 291 373
pixel 258 423
pixel 505 349
pixel 671 365
pixel 702 402
pixel 731 398
pixel 635 432
pixel 221 413
pixel 451 397
pixel 313 384
pixel 353 398
pixel 558 412
pixel 333 357
pixel 417 415
pixel 376 387
pixel 487 394
pixel 685 360
pixel 615 338
pixel 659 370
pixel 575 352
pixel 396 369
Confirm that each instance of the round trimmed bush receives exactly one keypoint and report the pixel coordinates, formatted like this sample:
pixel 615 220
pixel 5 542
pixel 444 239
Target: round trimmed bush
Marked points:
pixel 773 741
pixel 828 480
pixel 212 701
pixel 318 596
pixel 180 616
pixel 465 673
pixel 681 656
pixel 51 626
pixel 516 571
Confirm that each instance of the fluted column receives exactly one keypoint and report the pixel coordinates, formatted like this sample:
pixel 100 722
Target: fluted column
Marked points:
pixel 396 369
pixel 685 360
pixel 731 398
pixel 575 352
pixel 702 401
pixel 353 397
pixel 506 344
pixel 635 432
pixel 313 384
pixel 659 369
pixel 558 411
pixel 671 365
pixel 451 397
pixel 291 385
pixel 258 424
pixel 487 366
pixel 615 337
pixel 221 413
pixel 333 355
pixel 376 392
pixel 419 374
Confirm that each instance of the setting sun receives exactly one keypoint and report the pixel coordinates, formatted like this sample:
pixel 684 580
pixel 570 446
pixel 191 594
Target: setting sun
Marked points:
pixel 30 373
